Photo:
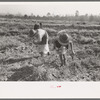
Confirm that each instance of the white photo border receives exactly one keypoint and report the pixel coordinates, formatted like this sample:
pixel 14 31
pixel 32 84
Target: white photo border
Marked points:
pixel 30 90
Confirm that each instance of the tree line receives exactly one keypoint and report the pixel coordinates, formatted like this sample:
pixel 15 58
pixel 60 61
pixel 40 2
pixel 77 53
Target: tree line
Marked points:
pixel 75 17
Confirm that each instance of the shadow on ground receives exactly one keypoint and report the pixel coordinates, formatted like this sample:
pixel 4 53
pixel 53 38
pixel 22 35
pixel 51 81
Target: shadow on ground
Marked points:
pixel 33 73
pixel 21 74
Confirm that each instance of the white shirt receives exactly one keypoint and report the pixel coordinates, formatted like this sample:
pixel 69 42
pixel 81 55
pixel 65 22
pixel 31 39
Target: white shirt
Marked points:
pixel 45 47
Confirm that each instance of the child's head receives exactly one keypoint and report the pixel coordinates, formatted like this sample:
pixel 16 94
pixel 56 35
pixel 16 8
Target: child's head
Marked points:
pixel 63 38
pixel 36 26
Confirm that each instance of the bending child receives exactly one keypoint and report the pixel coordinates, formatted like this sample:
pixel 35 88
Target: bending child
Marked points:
pixel 61 44
pixel 40 38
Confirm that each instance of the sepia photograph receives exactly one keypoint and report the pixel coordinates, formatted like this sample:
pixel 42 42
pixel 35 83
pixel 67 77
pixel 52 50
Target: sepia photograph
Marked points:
pixel 50 41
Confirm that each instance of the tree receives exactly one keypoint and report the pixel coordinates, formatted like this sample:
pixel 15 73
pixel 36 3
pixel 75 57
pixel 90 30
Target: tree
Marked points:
pixel 77 13
pixel 91 18
pixel 48 14
pixel 25 16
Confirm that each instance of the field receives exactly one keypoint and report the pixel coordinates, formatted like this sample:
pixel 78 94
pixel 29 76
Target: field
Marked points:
pixel 20 61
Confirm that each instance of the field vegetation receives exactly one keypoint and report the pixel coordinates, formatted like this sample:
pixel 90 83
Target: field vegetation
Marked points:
pixel 20 61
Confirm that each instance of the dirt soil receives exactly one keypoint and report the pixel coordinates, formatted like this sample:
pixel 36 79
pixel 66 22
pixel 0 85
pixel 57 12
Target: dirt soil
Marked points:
pixel 20 61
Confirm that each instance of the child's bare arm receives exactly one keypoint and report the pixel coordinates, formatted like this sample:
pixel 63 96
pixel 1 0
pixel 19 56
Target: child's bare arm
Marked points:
pixel 72 51
pixel 71 45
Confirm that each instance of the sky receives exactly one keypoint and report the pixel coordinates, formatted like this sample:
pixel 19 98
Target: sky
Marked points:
pixel 56 8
